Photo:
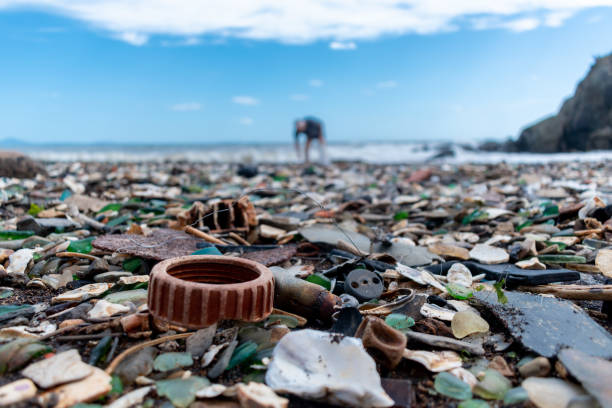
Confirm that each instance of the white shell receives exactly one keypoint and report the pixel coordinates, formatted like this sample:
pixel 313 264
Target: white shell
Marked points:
pixel 431 310
pixel 324 366
pixel 434 361
pixel 19 260
pixel 459 274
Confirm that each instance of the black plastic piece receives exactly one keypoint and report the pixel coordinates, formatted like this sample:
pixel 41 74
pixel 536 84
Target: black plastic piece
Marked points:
pixel 348 321
pixel 513 275
pixel 363 284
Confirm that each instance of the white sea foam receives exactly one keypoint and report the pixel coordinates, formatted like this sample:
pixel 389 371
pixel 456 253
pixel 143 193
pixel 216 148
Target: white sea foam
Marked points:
pixel 366 152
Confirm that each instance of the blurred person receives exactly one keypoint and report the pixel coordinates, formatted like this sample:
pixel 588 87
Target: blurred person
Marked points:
pixel 313 129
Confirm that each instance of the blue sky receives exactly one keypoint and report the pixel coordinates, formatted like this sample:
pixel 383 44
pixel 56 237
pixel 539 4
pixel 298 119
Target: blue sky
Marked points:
pixel 99 76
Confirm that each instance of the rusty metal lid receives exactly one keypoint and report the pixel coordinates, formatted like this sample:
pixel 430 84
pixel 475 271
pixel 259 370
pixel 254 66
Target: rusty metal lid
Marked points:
pixel 199 290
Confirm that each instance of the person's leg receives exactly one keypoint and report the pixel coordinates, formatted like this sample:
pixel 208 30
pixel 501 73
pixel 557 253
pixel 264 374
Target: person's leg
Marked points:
pixel 307 150
pixel 322 152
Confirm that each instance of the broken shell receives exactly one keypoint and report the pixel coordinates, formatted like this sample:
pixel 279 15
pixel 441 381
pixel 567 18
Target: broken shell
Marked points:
pixel 313 364
pixel 435 361
pixel 431 310
pixel 19 260
pixel 460 275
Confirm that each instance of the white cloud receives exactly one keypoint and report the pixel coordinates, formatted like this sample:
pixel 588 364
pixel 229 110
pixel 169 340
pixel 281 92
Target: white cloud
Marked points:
pixel 246 121
pixel 342 45
pixel 298 97
pixel 386 85
pixel 315 83
pixel 245 100
pixel 186 107
pixel 300 21
pixel 133 38
pixel 522 24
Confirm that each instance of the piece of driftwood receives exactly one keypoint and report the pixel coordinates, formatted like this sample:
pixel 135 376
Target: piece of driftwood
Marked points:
pixel 445 342
pixel 574 292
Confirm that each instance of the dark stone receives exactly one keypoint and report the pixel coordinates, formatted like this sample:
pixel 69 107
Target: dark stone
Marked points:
pixel 348 320
pixel 13 164
pixel 584 121
pixel 545 325
pixel 593 373
pixel 400 391
pixel 45 226
pixel 247 171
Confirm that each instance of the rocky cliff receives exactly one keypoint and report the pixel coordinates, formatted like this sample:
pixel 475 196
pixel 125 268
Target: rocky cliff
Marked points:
pixel 584 121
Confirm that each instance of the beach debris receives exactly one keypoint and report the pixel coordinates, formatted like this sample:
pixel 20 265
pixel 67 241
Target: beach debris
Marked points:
pixel 104 309
pixel 83 293
pixel 332 234
pixel 161 244
pixel 19 261
pixel 303 297
pixel 604 262
pixel 62 368
pixel 97 384
pixel 16 392
pixel 312 365
pixel 179 285
pixel 181 391
pixel 545 325
pixel 487 254
pixel 363 284
pixel 492 385
pixel 466 322
pixel 538 367
pixel 551 392
pixel 592 372
pixel 382 341
pixel 451 386
pixel 435 361
pixel 459 274
pixel 259 395
pixel 426 248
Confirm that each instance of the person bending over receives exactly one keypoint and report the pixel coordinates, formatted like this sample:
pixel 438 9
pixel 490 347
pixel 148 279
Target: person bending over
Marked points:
pixel 313 129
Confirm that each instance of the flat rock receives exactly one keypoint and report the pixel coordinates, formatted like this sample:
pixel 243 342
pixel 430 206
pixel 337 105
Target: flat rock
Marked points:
pixel 449 251
pixel 161 244
pixel 61 368
pixel 487 254
pixel 593 373
pixel 88 389
pixel 546 325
